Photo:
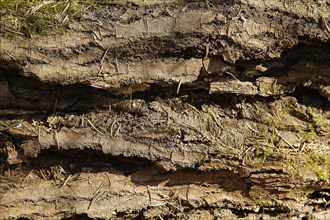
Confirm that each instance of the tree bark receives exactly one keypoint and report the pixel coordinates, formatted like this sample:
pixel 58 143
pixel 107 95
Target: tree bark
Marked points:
pixel 164 109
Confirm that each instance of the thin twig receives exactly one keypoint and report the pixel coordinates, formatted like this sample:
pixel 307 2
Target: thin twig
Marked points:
pixel 287 142
pixel 179 86
pixel 66 8
pixel 92 201
pixel 216 120
pixel 218 30
pixel 108 179
pixel 238 13
pixel 11 56
pixel 60 169
pixel 178 208
pixel 193 107
pixel 230 74
pixel 67 180
pixel 117 65
pixel 37 7
pixel 120 202
pixel 100 71
pixel 95 35
pixel 97 195
pixel 325 23
pixel 160 217
pixel 29 174
pixel 82 121
pixel 303 147
pixel 14 32
pixel 98 188
pixel 160 204
pixel 117 130
pixel 64 19
pixel 112 127
pixel 91 124
pixel 83 11
pixel 207 50
pixel 57 141
pixel 252 129
pixel 42 174
pixel 149 194
pixel 104 55
pixel 207 3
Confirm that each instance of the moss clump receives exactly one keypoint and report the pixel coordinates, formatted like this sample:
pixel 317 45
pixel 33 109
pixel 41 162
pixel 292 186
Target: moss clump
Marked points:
pixel 310 157
pixel 43 17
pixel 314 162
pixel 36 17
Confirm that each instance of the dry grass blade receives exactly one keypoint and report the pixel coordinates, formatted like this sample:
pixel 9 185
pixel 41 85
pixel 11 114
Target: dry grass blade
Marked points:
pixel 325 24
pixel 120 202
pixel 179 86
pixel 287 142
pixel 57 140
pixel 104 55
pixel 67 180
pixel 66 8
pixel 252 129
pixel 37 7
pixel 99 187
pixel 14 32
pixel 91 124
pixel 27 176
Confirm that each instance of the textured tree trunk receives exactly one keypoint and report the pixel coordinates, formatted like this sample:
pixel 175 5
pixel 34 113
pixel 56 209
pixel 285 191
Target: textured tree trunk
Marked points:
pixel 163 109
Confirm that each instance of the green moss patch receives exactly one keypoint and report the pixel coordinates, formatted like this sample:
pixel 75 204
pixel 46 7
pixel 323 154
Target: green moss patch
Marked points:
pixel 29 18
pixel 35 17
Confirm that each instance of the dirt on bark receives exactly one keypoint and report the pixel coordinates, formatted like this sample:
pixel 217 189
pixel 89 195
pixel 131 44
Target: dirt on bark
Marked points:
pixel 169 110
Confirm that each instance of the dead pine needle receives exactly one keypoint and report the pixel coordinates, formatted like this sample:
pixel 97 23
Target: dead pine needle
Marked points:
pixel 37 7
pixel 108 179
pixel 67 180
pixel 65 19
pixel 252 129
pixel 119 203
pixel 60 169
pixel 57 140
pixel 149 194
pixel 91 124
pixel 117 65
pixel 232 75
pixel 98 188
pixel 66 8
pixel 27 177
pixel 104 55
pixel 14 32
pixel 207 50
pixel 100 71
pixel 42 174
pixel 287 142
pixel 325 24
pixel 179 86
pixel 83 11
pixel 91 202
pixel 97 194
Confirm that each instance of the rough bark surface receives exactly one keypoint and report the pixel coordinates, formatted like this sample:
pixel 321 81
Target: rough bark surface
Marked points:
pixel 163 109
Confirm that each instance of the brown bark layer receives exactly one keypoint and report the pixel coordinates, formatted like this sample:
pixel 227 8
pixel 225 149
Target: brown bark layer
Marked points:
pixel 188 110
